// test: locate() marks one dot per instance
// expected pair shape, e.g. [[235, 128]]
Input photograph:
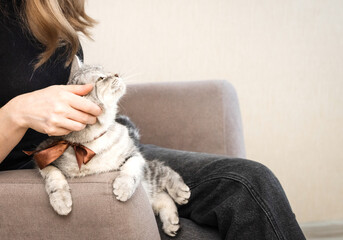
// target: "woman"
[[38, 40]]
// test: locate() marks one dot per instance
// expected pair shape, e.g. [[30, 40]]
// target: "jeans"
[[241, 198]]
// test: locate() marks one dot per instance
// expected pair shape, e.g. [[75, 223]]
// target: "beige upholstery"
[[96, 214], [201, 116], [197, 116]]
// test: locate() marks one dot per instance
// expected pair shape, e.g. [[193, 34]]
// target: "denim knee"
[[257, 174], [248, 170], [256, 177]]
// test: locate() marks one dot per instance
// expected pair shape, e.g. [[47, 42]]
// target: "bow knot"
[[49, 154]]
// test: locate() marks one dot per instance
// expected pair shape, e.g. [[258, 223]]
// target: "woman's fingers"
[[56, 110], [78, 89], [84, 105], [79, 116], [70, 125], [59, 125], [60, 132]]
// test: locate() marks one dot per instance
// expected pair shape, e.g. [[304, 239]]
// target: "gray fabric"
[[241, 198]]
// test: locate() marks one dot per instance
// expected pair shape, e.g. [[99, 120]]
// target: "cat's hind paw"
[[123, 187], [171, 225], [61, 201], [181, 193]]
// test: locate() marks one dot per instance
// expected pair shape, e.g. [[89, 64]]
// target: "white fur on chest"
[[111, 150]]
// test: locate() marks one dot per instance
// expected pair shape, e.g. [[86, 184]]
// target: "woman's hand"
[[56, 110]]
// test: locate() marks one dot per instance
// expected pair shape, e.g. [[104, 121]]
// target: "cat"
[[115, 141]]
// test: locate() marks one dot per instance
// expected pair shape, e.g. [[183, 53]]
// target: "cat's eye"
[[101, 78]]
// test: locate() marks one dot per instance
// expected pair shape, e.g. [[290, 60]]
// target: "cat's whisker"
[[121, 107], [132, 79], [126, 76], [124, 72]]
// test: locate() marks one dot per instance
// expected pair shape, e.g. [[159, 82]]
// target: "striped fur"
[[116, 150]]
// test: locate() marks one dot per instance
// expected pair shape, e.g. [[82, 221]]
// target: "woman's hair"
[[56, 23]]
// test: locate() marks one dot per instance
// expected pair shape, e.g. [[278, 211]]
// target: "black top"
[[18, 53]]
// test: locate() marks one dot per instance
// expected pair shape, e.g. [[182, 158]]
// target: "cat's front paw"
[[123, 187], [61, 201]]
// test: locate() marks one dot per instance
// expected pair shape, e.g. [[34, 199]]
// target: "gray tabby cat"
[[115, 143]]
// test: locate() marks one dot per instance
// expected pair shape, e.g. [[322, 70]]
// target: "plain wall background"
[[285, 59]]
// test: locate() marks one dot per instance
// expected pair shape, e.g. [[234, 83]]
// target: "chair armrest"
[[26, 212], [200, 116]]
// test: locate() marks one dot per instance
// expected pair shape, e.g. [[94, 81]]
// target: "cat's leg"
[[58, 190], [164, 206], [164, 178], [130, 176], [177, 189]]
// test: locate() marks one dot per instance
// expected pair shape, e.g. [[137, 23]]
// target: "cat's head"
[[108, 88]]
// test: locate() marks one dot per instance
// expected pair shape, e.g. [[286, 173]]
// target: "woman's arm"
[[56, 110], [10, 132]]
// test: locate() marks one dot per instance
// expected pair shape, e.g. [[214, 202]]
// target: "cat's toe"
[[123, 188], [171, 229], [183, 199], [182, 195], [121, 195], [170, 222], [61, 201]]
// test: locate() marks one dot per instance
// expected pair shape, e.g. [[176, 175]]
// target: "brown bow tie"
[[46, 156]]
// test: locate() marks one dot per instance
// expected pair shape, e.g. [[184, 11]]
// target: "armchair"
[[198, 116]]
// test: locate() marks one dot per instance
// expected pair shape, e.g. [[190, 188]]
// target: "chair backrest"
[[200, 116]]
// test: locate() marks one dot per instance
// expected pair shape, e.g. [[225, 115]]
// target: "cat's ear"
[[75, 66]]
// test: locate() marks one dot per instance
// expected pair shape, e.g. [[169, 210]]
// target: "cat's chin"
[[88, 134], [92, 131]]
